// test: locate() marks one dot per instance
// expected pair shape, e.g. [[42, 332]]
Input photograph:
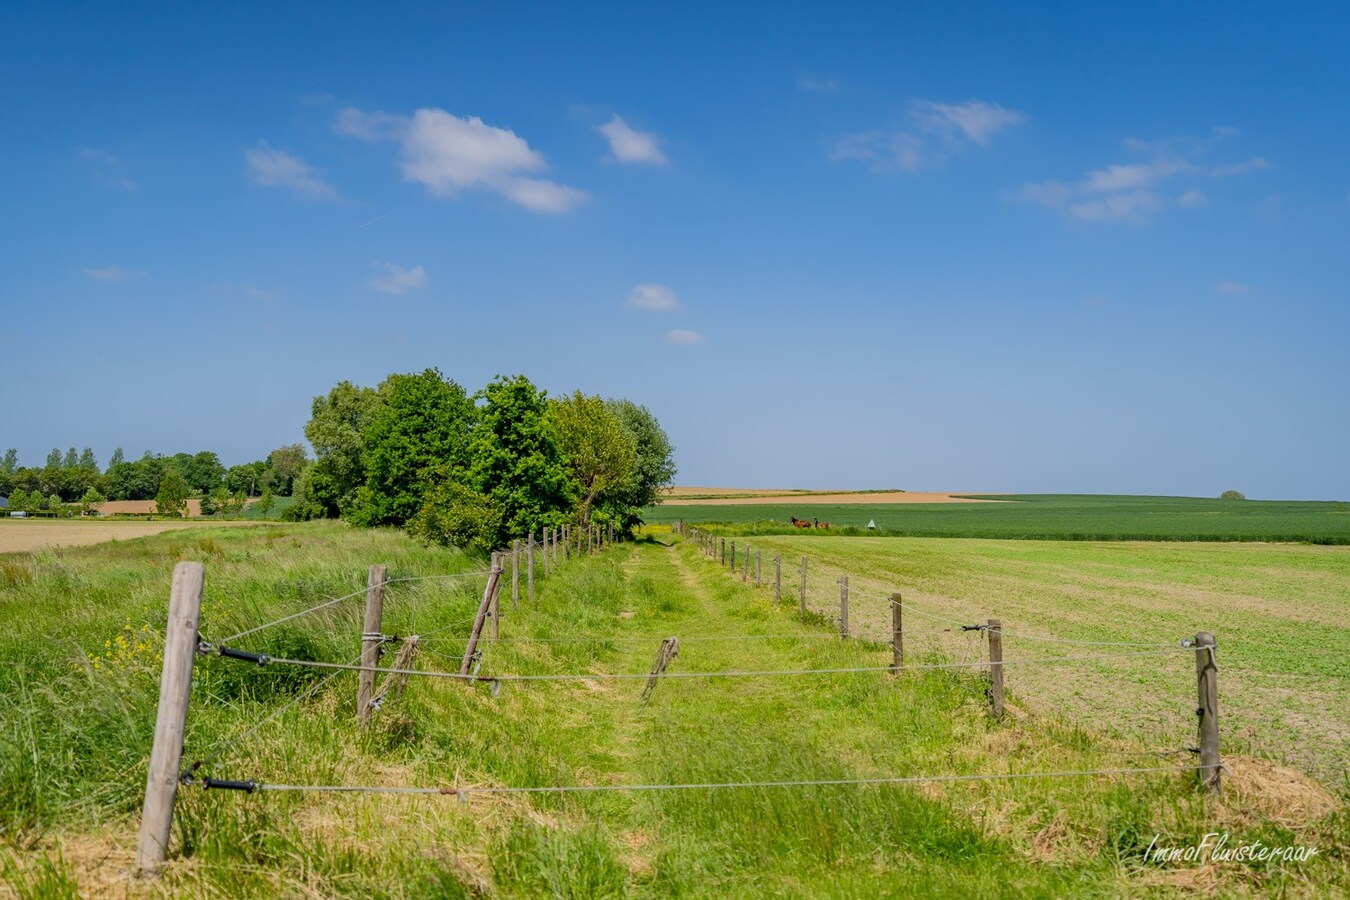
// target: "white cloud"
[[114, 273], [448, 154], [976, 120], [398, 280], [107, 169], [1230, 287], [935, 131], [1133, 191], [815, 84], [684, 336], [631, 146], [277, 168], [655, 297]]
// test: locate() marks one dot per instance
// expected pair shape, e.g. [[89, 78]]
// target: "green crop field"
[[1050, 517], [79, 665]]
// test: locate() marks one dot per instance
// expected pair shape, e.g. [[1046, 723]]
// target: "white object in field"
[[871, 524]]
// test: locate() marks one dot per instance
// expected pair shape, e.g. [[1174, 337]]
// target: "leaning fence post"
[[996, 668], [515, 573], [489, 593], [801, 592], [175, 688], [1207, 682], [897, 634], [843, 606], [777, 579], [370, 641]]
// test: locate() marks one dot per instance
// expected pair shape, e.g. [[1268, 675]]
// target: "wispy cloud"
[[628, 145], [448, 154], [817, 84], [1230, 287], [1133, 191], [684, 336], [934, 132], [655, 297], [114, 273], [398, 280], [108, 170], [258, 293], [276, 168]]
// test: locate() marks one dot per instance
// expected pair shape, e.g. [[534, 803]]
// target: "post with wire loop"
[[175, 688], [370, 641], [897, 634], [1207, 680], [996, 668], [843, 606]]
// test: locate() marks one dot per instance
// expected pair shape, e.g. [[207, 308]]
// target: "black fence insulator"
[[974, 627], [261, 659], [247, 787]]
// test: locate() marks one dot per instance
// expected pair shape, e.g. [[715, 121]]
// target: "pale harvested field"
[[25, 536], [142, 507], [732, 497]]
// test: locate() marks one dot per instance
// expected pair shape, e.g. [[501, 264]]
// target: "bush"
[[1232, 495], [457, 516]]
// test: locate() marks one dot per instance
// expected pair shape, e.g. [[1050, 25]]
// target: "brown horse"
[[799, 523], [820, 524]]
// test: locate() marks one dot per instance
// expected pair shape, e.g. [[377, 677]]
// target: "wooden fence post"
[[175, 689], [724, 551], [897, 634], [492, 609], [733, 557], [759, 561], [1207, 682], [996, 668], [590, 539], [515, 573], [745, 569], [801, 592], [843, 606], [547, 539], [778, 579], [484, 605], [529, 567], [370, 641]]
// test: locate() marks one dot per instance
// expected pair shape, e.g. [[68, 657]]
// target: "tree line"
[[420, 452]]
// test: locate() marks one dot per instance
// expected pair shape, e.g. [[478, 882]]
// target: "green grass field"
[[80, 667], [1050, 517]]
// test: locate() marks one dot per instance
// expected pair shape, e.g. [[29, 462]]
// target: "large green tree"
[[172, 497], [10, 464], [420, 434], [601, 453], [284, 465], [653, 468], [337, 432]]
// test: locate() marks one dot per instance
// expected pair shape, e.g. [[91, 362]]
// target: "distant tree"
[[266, 501], [600, 451], [171, 499], [71, 460], [337, 432], [118, 457], [419, 434], [18, 499], [202, 471], [245, 478], [54, 459], [88, 462], [10, 464], [654, 467], [284, 465], [1232, 495], [54, 504], [90, 500], [137, 480]]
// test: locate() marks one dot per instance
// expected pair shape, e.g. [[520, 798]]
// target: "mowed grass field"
[[1050, 517], [1281, 614], [78, 683]]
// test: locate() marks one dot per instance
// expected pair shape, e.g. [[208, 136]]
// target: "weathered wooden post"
[[897, 634], [801, 592], [745, 568], [515, 573], [590, 539], [777, 579], [996, 668], [759, 560], [489, 594], [843, 606], [370, 641], [733, 557], [493, 610], [175, 689], [1207, 682], [724, 551], [529, 567], [610, 527], [547, 539]]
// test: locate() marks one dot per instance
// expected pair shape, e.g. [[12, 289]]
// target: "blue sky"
[[932, 246]]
